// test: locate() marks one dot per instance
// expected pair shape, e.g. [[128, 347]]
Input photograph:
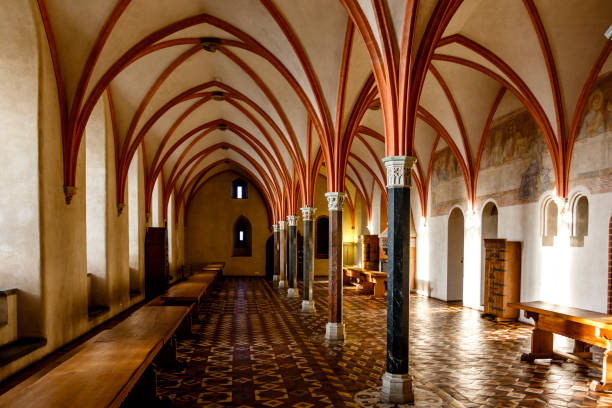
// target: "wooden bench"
[[584, 326], [377, 279], [107, 367]]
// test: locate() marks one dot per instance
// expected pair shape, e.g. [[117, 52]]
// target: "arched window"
[[242, 237], [549, 222], [240, 189], [580, 220], [322, 238]]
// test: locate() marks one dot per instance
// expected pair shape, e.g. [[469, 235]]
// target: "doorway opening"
[[454, 277]]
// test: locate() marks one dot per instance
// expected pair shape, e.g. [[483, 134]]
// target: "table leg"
[[379, 288], [541, 346], [606, 372]]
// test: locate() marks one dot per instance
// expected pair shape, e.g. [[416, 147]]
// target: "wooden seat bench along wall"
[[106, 368], [584, 326]]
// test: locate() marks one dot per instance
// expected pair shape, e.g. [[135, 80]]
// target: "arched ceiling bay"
[[281, 86]]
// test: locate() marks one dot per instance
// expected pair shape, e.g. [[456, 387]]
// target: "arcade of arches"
[[356, 166]]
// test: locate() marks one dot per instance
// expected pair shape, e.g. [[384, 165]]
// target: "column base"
[[396, 389], [275, 278], [282, 284], [308, 306], [293, 293], [334, 331]]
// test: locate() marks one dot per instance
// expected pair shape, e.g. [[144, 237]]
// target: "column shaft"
[[276, 255], [397, 382], [398, 279], [282, 248], [308, 301], [334, 330], [292, 256], [335, 267]]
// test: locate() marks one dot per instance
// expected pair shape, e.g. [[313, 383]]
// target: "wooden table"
[[106, 368], [377, 278], [584, 326]]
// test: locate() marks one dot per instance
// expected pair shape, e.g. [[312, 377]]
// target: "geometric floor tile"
[[255, 348]]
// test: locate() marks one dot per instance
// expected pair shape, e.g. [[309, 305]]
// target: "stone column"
[[282, 250], [308, 304], [292, 221], [276, 254], [396, 382], [334, 330]]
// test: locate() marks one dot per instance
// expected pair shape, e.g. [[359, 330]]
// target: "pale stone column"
[[335, 330], [282, 249], [308, 304], [293, 291], [396, 382], [276, 255]]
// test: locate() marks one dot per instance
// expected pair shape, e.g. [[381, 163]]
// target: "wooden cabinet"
[[156, 262], [502, 278], [369, 251]]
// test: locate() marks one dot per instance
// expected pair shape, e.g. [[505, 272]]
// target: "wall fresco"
[[592, 155]]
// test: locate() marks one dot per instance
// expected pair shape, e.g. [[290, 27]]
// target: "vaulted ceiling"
[[280, 87]]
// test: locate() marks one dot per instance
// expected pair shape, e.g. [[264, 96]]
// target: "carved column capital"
[[275, 227], [398, 170], [281, 225], [69, 192], [292, 220], [335, 200], [308, 213]]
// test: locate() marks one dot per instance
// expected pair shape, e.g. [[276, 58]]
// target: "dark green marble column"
[[397, 382], [292, 221], [308, 305], [282, 250]]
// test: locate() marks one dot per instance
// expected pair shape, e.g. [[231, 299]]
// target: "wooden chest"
[[502, 278]]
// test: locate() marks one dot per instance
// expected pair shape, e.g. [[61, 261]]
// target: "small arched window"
[[551, 212], [322, 238], [580, 220], [242, 237], [240, 189]]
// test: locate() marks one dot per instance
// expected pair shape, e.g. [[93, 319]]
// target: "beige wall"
[[51, 272], [209, 227]]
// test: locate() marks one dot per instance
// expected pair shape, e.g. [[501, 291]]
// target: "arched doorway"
[[489, 230], [454, 276], [270, 258]]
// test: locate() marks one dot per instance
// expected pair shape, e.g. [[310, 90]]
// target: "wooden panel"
[[502, 277], [156, 262]]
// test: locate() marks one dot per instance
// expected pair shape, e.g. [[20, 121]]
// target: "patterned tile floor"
[[256, 349]]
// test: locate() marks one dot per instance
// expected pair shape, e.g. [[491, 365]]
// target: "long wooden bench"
[[584, 326], [108, 366]]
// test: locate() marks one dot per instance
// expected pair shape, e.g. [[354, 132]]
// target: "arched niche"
[[242, 237], [580, 219], [549, 221]]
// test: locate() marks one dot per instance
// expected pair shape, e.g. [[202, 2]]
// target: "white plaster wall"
[[561, 274]]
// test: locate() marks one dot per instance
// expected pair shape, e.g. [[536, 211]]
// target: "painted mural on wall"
[[592, 155], [515, 167], [448, 187]]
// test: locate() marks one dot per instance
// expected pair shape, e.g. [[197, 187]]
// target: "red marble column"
[[282, 249], [335, 330]]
